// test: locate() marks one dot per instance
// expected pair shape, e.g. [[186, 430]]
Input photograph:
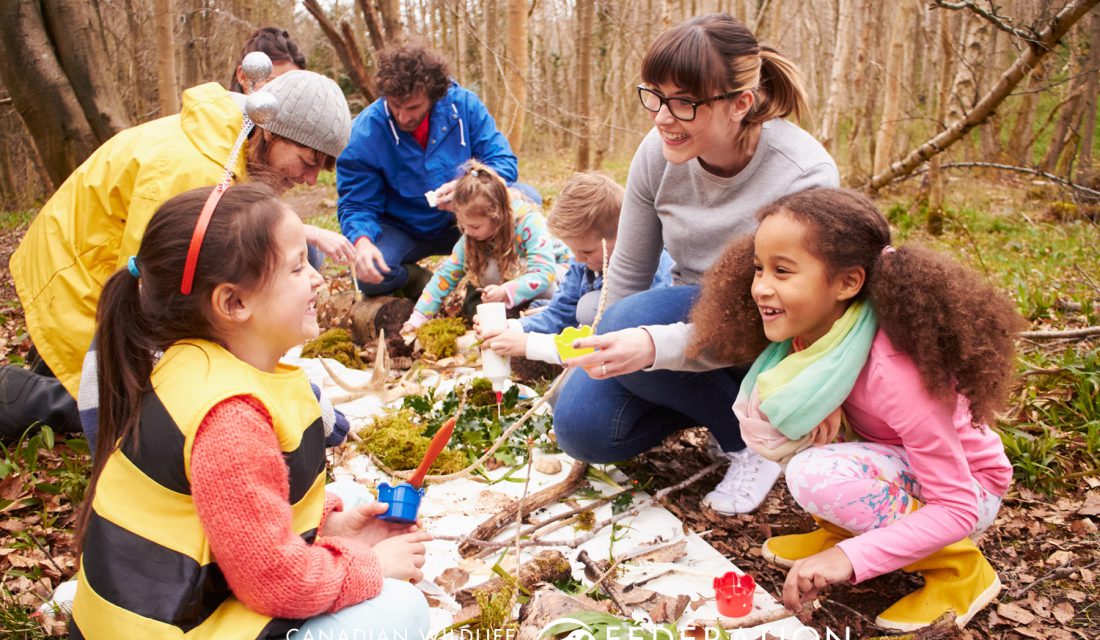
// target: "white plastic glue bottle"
[[495, 367]]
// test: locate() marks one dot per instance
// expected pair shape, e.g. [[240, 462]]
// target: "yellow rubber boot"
[[956, 578], [785, 550]]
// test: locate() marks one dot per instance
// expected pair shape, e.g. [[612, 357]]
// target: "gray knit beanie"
[[312, 111]]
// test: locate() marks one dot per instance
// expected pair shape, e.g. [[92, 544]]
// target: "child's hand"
[[494, 293], [506, 343], [415, 321], [812, 574], [331, 243], [402, 556], [361, 523]]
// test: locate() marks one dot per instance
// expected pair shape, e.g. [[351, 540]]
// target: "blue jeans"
[[618, 418], [399, 248], [398, 612]]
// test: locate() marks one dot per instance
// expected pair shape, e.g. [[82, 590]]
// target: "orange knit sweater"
[[241, 491]]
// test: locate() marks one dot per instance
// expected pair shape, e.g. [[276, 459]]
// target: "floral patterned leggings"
[[861, 486]]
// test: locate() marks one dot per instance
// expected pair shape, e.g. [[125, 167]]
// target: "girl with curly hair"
[[505, 250], [907, 350]]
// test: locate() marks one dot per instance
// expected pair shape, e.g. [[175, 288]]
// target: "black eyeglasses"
[[682, 109]]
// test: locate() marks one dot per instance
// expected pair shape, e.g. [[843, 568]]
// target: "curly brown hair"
[[956, 327], [481, 192], [412, 68]]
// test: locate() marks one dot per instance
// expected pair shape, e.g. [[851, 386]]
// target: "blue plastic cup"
[[403, 501]]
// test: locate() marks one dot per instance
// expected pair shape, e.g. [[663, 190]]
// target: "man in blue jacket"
[[396, 176]]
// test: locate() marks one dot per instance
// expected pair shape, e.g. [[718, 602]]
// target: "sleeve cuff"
[[669, 341], [541, 347]]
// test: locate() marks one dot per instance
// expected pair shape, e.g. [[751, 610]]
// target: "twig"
[[992, 17], [355, 283], [592, 566], [1004, 167], [49, 557], [573, 512], [1059, 571], [764, 617], [1087, 277], [599, 526], [1067, 333]]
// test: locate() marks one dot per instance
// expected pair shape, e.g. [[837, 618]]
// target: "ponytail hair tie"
[[132, 267], [888, 250]]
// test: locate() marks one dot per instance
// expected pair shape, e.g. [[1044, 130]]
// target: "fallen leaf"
[[1087, 576], [1015, 613], [1091, 507], [1084, 525], [1076, 596], [1039, 604], [452, 579], [1059, 558], [1063, 612]]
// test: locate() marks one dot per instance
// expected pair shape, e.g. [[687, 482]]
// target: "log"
[[507, 515], [548, 566]]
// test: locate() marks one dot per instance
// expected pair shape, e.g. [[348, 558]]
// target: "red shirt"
[[421, 133]]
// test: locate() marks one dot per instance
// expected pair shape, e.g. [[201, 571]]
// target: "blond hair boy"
[[586, 218]]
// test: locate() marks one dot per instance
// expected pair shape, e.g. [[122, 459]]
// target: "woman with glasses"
[[720, 150]]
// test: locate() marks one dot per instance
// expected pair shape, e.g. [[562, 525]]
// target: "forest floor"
[[1045, 543]]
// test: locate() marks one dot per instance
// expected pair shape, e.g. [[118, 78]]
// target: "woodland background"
[[972, 122]]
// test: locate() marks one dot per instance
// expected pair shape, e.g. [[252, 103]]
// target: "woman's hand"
[[494, 293], [369, 263], [509, 342], [810, 575], [402, 556], [361, 523], [617, 353], [332, 244]]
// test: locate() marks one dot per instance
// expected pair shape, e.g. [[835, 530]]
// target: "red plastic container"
[[733, 593]]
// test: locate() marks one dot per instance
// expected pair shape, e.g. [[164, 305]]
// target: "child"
[[504, 249], [585, 217], [913, 352], [207, 511]]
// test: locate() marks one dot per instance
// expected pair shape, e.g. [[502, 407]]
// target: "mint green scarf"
[[797, 391]]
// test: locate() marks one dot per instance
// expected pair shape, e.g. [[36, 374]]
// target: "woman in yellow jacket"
[[95, 220]]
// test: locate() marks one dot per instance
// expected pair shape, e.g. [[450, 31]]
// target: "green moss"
[[481, 393], [335, 344], [399, 443], [437, 337], [496, 611]]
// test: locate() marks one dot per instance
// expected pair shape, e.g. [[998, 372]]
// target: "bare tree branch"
[[1001, 22], [1006, 167], [1058, 26]]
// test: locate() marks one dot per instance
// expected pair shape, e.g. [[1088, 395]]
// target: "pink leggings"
[[861, 486]]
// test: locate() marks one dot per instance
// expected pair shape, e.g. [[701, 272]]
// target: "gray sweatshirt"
[[695, 214]]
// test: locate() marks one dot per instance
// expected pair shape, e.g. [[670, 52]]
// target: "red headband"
[[197, 237]]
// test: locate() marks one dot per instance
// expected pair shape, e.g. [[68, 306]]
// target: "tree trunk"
[[1033, 52], [966, 88], [1066, 129], [585, 10], [41, 91], [864, 90], [83, 57], [167, 91], [346, 49], [891, 101], [490, 49], [391, 21], [1092, 87], [515, 83], [834, 101], [935, 174]]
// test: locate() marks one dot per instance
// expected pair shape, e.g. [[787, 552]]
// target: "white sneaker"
[[748, 480]]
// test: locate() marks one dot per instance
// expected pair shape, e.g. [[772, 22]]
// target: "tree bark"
[[1033, 52], [891, 101], [935, 174], [860, 141], [391, 21], [1092, 87], [83, 57], [41, 91], [585, 10], [1066, 129], [965, 89], [834, 100], [515, 83], [167, 91], [490, 50], [349, 54]]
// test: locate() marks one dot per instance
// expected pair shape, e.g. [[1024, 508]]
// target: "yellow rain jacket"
[[95, 221]]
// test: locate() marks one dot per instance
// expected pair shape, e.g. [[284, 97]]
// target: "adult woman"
[[719, 150], [277, 44], [95, 220]]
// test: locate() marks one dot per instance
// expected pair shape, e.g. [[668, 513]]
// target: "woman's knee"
[[654, 306], [580, 435]]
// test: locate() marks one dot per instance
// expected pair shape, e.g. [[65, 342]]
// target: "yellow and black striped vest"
[[147, 570]]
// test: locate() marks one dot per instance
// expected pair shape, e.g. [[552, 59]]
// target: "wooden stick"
[[1068, 333], [506, 516], [762, 617], [596, 570]]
